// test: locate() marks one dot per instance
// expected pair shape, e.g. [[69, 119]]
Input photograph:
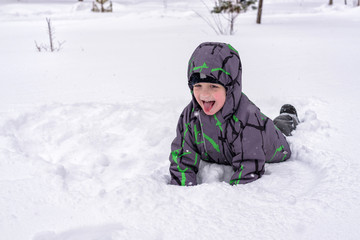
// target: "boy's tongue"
[[208, 105]]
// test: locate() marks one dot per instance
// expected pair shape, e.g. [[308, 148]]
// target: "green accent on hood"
[[191, 60], [218, 123], [263, 116], [237, 181], [231, 48], [213, 143], [220, 69], [200, 67]]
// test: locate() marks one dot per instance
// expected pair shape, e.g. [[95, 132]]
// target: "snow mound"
[[100, 145], [89, 147], [115, 157]]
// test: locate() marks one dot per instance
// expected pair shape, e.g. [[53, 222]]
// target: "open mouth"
[[208, 105]]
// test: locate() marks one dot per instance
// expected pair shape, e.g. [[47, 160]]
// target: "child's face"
[[210, 96]]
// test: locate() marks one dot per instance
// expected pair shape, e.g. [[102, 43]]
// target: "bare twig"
[[214, 23], [208, 22], [60, 44], [37, 46], [51, 33]]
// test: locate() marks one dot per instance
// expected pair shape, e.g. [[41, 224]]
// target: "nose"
[[205, 93]]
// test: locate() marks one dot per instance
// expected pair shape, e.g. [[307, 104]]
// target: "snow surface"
[[85, 132]]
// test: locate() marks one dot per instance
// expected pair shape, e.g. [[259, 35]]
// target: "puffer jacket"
[[238, 135]]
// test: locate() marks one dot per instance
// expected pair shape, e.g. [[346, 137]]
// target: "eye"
[[197, 86], [214, 86]]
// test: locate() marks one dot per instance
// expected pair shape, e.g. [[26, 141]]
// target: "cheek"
[[220, 97], [196, 95]]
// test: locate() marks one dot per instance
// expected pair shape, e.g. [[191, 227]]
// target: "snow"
[[85, 132]]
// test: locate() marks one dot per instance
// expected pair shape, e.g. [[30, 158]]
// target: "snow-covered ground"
[[85, 132]]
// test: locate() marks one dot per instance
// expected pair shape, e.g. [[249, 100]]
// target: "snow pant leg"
[[285, 123]]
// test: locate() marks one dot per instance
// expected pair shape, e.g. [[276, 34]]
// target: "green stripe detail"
[[231, 48], [263, 116], [176, 155], [183, 176], [277, 150], [213, 143], [237, 181], [220, 69], [200, 67], [191, 60], [206, 66], [186, 130], [218, 123], [235, 118], [196, 132]]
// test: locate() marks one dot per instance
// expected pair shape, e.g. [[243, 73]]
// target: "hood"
[[222, 62]]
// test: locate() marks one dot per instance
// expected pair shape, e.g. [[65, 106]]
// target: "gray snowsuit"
[[238, 135]]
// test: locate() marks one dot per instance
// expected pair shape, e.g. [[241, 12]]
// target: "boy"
[[221, 125]]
